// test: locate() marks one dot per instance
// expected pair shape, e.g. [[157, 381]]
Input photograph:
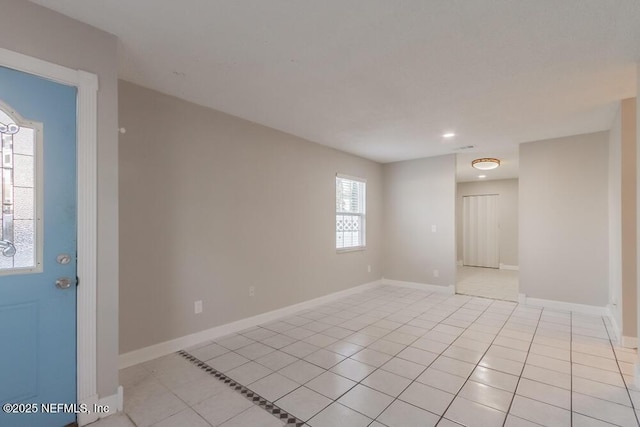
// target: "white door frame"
[[87, 121]]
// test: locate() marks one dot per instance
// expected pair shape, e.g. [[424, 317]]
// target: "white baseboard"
[[167, 347], [614, 323], [629, 342], [618, 338], [108, 405], [84, 418], [502, 266], [622, 340], [561, 305], [115, 403], [449, 290]]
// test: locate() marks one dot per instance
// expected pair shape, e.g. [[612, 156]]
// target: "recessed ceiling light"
[[448, 135], [485, 164], [482, 176]]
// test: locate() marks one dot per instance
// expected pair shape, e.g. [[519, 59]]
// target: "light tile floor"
[[488, 283], [394, 356]]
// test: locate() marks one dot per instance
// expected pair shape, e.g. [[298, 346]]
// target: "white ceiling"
[[384, 79]]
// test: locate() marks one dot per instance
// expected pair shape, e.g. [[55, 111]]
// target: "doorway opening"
[[487, 236]]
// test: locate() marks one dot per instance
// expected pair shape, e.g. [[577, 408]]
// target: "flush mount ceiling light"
[[485, 164], [448, 135]]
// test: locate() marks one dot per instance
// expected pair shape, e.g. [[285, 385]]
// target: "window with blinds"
[[350, 212]]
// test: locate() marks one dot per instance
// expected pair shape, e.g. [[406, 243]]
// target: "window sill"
[[352, 249]]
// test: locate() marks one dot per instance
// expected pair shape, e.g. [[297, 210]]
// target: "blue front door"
[[37, 251]]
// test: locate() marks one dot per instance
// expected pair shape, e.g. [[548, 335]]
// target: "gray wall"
[[419, 194], [507, 189], [564, 219], [211, 204], [39, 32]]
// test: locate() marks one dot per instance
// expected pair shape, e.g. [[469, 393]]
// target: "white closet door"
[[480, 231]]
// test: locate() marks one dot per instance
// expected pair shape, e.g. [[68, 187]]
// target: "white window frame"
[[363, 215]]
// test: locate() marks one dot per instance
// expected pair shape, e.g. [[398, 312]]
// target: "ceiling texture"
[[385, 79]]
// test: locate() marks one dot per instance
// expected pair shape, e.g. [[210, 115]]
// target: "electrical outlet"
[[368, 269], [197, 307], [434, 228], [252, 291], [436, 273]]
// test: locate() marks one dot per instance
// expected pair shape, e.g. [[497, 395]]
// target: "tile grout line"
[[380, 367], [493, 301], [524, 364], [302, 340], [396, 398], [480, 360], [249, 394], [349, 357], [624, 381], [570, 375], [169, 390], [393, 356], [486, 297], [442, 352], [588, 366], [364, 347], [373, 305], [373, 309], [599, 382]]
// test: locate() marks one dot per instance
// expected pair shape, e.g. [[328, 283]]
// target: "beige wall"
[[507, 190], [615, 218], [622, 218], [629, 235], [419, 194], [564, 219], [39, 32], [211, 204], [638, 199]]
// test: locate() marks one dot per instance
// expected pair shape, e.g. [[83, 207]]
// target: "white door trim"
[[87, 122]]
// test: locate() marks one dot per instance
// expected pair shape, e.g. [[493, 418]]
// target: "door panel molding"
[[87, 87]]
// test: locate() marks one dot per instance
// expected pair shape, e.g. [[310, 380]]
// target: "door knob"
[[64, 283]]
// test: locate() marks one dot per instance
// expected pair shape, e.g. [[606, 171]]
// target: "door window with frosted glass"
[[20, 148]]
